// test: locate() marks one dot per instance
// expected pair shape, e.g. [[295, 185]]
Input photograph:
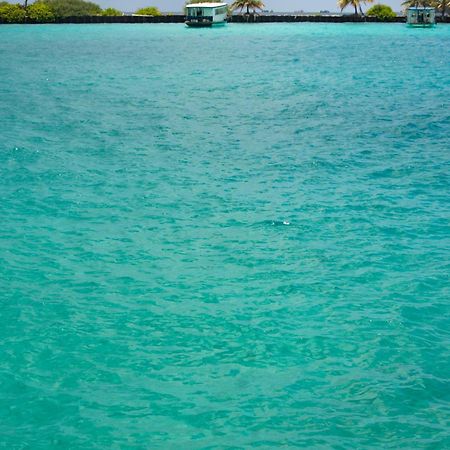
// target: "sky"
[[276, 5]]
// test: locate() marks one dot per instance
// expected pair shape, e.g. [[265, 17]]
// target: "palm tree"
[[355, 3], [416, 3], [25, 7], [442, 5], [248, 4]]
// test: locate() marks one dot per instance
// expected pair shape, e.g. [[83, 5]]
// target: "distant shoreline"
[[266, 18]]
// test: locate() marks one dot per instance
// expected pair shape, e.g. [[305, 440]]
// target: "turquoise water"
[[228, 238]]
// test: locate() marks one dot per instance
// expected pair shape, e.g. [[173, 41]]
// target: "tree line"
[[440, 5], [383, 12], [51, 10]]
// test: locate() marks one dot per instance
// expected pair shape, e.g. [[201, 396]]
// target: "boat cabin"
[[206, 14], [421, 16]]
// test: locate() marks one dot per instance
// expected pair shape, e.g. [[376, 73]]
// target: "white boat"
[[206, 14]]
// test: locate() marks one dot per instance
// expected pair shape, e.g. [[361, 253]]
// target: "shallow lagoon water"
[[228, 238]]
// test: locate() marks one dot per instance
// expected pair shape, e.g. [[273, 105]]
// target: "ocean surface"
[[224, 239]]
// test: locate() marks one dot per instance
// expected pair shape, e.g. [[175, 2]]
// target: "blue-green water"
[[231, 238]]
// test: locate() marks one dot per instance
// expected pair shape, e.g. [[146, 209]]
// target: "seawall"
[[233, 19]]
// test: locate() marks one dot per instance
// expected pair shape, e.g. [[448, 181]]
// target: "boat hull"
[[421, 25], [203, 24]]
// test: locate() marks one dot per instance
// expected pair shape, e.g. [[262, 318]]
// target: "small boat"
[[421, 16], [206, 14]]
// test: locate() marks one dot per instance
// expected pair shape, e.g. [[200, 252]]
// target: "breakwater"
[[252, 18]]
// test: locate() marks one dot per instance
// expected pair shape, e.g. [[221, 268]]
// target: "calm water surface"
[[229, 238]]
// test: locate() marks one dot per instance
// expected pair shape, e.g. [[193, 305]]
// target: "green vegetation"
[[12, 13], [247, 4], [382, 12], [40, 12], [111, 12], [149, 11], [46, 10], [356, 4], [72, 8]]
